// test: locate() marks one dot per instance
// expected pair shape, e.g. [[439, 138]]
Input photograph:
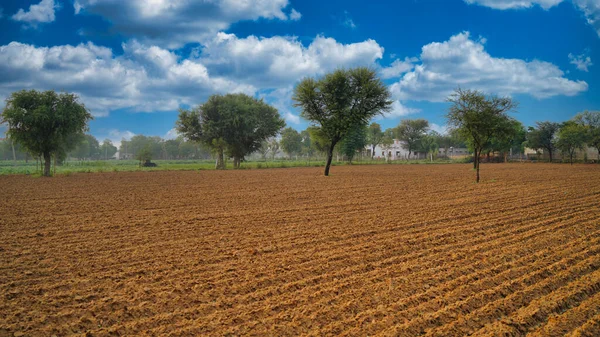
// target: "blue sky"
[[135, 63]]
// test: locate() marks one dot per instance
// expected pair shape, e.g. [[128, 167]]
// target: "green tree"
[[233, 123], [429, 144], [291, 142], [387, 141], [171, 148], [374, 137], [318, 140], [591, 120], [478, 118], [307, 147], [263, 150], [410, 132], [43, 122], [107, 149], [571, 137], [355, 140], [274, 146], [341, 101], [144, 155], [87, 148], [510, 136], [543, 137]]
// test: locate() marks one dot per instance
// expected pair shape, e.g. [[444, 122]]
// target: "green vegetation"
[[45, 124]]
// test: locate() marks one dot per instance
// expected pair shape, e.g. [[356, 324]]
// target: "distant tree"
[[340, 101], [87, 148], [274, 146], [43, 122], [144, 155], [355, 140], [387, 141], [543, 137], [232, 123], [107, 149], [263, 150], [374, 137], [410, 132], [571, 137], [591, 120], [171, 148], [429, 144], [509, 136], [478, 118], [291, 142], [307, 147]]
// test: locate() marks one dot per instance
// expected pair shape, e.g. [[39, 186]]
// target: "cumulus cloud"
[[171, 134], [399, 110], [463, 62], [175, 23], [150, 78], [441, 129], [38, 13], [399, 67], [591, 9], [143, 78], [295, 15], [281, 99], [582, 62], [279, 61], [515, 4]]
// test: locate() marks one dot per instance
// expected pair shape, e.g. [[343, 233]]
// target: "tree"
[[43, 122], [307, 147], [291, 142], [355, 140], [144, 155], [87, 148], [429, 145], [478, 118], [107, 149], [274, 146], [171, 148], [232, 123], [509, 136], [341, 101], [263, 150], [374, 137], [387, 141], [591, 120], [410, 132], [318, 140], [543, 137], [571, 137]]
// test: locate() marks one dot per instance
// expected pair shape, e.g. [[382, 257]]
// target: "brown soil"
[[400, 250]]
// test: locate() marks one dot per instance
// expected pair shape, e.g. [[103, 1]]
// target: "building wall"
[[397, 152]]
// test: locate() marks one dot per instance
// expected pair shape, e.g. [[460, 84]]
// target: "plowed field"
[[400, 250]]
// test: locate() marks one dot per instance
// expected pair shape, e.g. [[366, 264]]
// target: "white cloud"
[[142, 79], [280, 61], [295, 15], [582, 62], [515, 4], [441, 129], [281, 99], [463, 62], [399, 67], [591, 9], [38, 13], [175, 23], [171, 134], [399, 110], [115, 136], [348, 22]]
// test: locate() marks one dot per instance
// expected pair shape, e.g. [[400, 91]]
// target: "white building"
[[396, 151]]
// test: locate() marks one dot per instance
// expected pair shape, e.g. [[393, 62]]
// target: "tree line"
[[339, 106]]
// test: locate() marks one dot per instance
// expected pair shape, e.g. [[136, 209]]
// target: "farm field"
[[394, 250]]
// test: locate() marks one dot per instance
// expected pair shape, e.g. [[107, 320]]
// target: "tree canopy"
[[291, 142], [340, 101], [543, 136], [235, 124], [45, 123], [479, 118], [591, 121], [410, 132], [571, 137]]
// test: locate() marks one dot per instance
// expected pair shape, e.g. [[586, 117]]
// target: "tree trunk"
[[550, 154], [477, 162], [329, 158], [47, 162], [220, 165], [373, 152], [14, 153]]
